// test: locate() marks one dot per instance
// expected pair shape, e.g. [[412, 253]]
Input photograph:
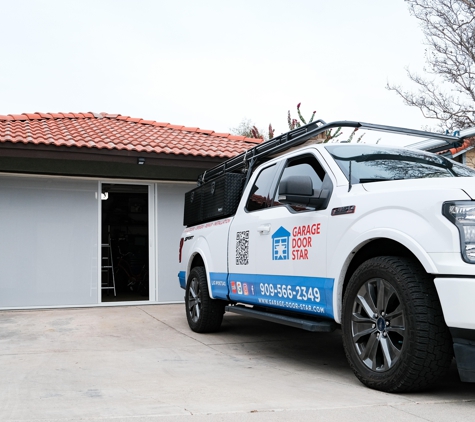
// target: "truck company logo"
[[295, 245], [280, 244]]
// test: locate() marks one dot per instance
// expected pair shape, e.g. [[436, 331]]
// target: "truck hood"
[[466, 184]]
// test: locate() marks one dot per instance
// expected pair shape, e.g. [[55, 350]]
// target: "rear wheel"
[[204, 314], [394, 333]]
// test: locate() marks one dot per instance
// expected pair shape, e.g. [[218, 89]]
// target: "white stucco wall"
[[169, 226]]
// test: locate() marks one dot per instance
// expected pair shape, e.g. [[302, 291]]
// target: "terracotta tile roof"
[[116, 132], [468, 143]]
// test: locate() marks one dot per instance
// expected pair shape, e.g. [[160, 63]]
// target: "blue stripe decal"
[[309, 295], [219, 285], [182, 279]]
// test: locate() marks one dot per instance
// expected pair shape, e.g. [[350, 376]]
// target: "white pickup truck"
[[319, 231]]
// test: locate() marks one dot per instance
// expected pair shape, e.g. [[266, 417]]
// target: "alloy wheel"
[[378, 325], [194, 300]]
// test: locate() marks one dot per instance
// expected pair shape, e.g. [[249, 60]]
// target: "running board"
[[305, 324]]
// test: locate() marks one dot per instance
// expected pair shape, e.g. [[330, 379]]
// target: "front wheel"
[[204, 314], [394, 333]]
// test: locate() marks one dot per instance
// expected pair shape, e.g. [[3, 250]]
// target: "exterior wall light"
[[140, 160]]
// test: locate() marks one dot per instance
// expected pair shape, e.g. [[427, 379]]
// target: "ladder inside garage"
[[108, 276]]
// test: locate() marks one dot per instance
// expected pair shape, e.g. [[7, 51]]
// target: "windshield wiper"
[[376, 179]]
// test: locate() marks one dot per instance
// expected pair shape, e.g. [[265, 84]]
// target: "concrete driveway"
[[142, 363]]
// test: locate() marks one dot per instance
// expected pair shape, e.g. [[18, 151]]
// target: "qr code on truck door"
[[242, 248]]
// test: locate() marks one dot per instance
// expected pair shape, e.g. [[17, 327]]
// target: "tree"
[[447, 92], [323, 137], [248, 129], [294, 123]]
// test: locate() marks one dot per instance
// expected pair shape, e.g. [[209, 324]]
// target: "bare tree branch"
[[447, 92]]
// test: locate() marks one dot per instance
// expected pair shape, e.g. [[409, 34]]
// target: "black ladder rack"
[[245, 161]]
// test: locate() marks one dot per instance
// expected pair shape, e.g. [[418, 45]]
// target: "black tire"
[[204, 314], [394, 332]]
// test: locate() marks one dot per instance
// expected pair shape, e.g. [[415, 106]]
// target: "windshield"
[[373, 163]]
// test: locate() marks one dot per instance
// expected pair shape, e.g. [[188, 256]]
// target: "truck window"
[[259, 197], [306, 165], [374, 163]]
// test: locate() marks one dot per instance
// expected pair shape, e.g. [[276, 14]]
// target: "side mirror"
[[298, 190]]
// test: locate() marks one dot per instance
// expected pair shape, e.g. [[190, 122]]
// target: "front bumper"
[[456, 295], [457, 299], [464, 350]]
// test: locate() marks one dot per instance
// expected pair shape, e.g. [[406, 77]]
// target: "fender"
[[201, 248], [343, 260], [402, 224]]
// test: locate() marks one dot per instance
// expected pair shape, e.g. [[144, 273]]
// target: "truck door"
[[277, 252]]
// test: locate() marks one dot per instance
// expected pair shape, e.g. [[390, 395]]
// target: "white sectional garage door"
[[48, 242]]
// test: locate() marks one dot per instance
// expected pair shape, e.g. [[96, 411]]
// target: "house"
[[91, 206], [464, 153]]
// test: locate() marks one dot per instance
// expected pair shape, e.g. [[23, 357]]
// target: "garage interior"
[[125, 251]]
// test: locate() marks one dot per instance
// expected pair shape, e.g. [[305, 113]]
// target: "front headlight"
[[462, 214]]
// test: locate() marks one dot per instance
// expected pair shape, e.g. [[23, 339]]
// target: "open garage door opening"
[[125, 242]]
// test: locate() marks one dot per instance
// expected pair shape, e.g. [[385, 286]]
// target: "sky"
[[211, 63]]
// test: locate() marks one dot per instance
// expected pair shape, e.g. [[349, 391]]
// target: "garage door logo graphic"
[[281, 244]]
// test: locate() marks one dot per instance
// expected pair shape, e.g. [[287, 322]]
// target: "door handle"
[[264, 229]]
